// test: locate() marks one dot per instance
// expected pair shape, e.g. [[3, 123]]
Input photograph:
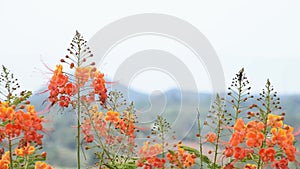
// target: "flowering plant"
[[20, 127], [239, 132]]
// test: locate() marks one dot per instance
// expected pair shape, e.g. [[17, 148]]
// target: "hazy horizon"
[[261, 36]]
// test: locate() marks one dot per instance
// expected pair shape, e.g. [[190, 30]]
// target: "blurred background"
[[261, 36]]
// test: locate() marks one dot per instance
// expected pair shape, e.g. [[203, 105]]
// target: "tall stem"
[[10, 153], [9, 103], [78, 129], [200, 140], [162, 129], [78, 108], [220, 114], [237, 109], [265, 118], [217, 142]]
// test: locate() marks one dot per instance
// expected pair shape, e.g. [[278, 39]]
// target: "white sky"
[[262, 36]]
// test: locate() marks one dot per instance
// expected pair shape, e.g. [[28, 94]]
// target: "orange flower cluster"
[[284, 138], [253, 135], [99, 86], [42, 165], [281, 164], [267, 155], [17, 122], [112, 116], [98, 123], [282, 135], [61, 89], [252, 132], [60, 86], [86, 130], [211, 137], [5, 160], [181, 158], [240, 153], [25, 150], [148, 156], [83, 74], [126, 124], [275, 121]]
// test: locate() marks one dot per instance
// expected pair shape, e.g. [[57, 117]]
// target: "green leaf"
[[191, 150]]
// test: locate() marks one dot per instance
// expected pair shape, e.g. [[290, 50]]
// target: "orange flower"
[[19, 152], [239, 133], [42, 165], [15, 123], [25, 150], [112, 116], [211, 137], [289, 133], [58, 69], [228, 152], [290, 151], [239, 125], [181, 158], [250, 166], [281, 164], [6, 112], [180, 150], [240, 153], [153, 150], [284, 138], [255, 126], [5, 161], [274, 121], [60, 85], [83, 74], [237, 138], [254, 139], [267, 154], [148, 156], [70, 89], [64, 101], [279, 136], [126, 126], [98, 84]]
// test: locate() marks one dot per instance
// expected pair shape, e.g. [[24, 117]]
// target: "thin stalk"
[[10, 153], [78, 129], [220, 116], [238, 100], [78, 110], [162, 128], [217, 142], [9, 103], [268, 110], [200, 140], [27, 162]]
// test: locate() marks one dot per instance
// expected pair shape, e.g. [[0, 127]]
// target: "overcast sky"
[[262, 36]]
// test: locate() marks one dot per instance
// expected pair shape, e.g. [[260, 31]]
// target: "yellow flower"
[[25, 150], [112, 116], [274, 121], [19, 152], [4, 162], [250, 166]]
